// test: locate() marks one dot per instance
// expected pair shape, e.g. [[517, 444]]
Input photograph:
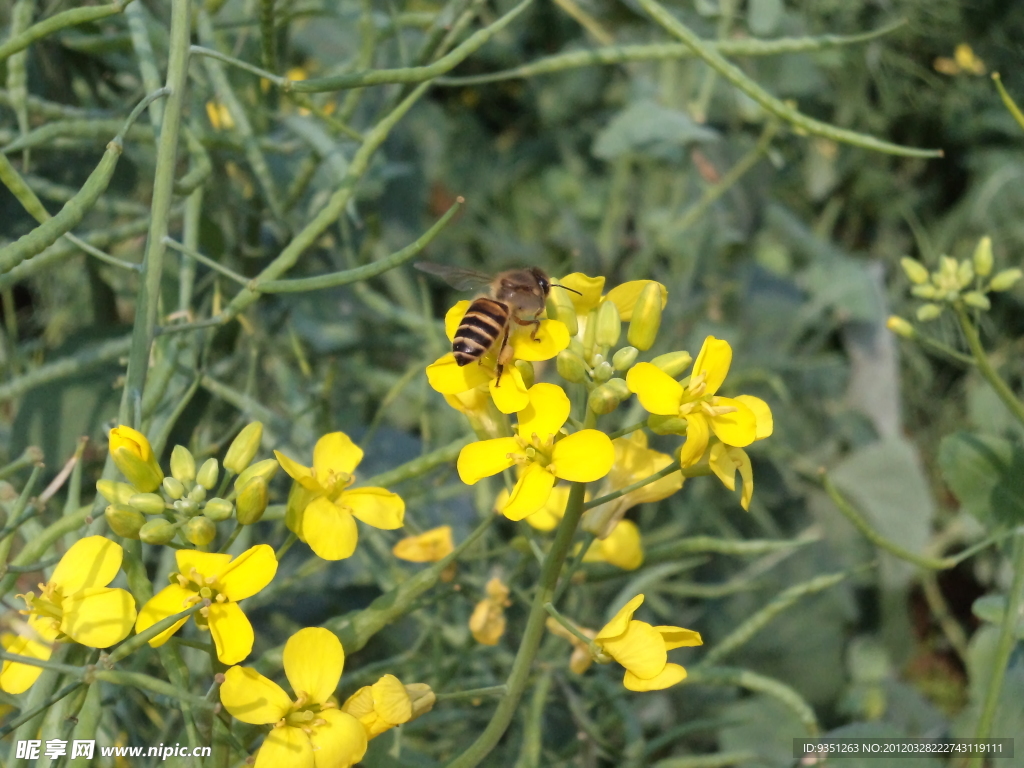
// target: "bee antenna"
[[567, 288]]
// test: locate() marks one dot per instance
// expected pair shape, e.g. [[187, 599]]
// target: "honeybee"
[[514, 296]]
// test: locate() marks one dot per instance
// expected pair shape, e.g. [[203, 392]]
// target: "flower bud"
[[525, 368], [982, 257], [666, 425], [570, 366], [1004, 281], [200, 531], [115, 492], [624, 359], [173, 487], [916, 271], [124, 520], [978, 300], [589, 336], [218, 509], [252, 501], [928, 312], [133, 455], [673, 363], [609, 325], [603, 371], [265, 469], [183, 466], [965, 273], [243, 448], [157, 531], [900, 327], [646, 321], [198, 493], [606, 398], [925, 291], [948, 269], [187, 507], [148, 503], [560, 308], [421, 696], [207, 475]]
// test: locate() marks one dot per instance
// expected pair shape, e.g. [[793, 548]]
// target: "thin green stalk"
[[628, 430], [190, 234], [292, 538], [570, 627], [699, 470], [211, 263], [472, 693], [1004, 647], [752, 681], [420, 465], [44, 705], [57, 22], [136, 14], [87, 359], [1001, 388], [36, 547], [1008, 102], [154, 685], [17, 515], [31, 455], [532, 635], [588, 540], [268, 39], [17, 70]]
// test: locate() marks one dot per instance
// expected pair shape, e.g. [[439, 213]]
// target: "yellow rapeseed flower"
[[622, 296], [429, 547], [311, 731], [622, 548], [133, 455], [74, 605], [387, 703], [322, 509], [219, 116], [223, 581], [583, 456], [488, 620], [643, 649]]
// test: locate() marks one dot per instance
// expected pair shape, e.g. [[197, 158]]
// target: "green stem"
[[292, 538], [31, 455], [73, 365], [57, 22], [133, 643], [699, 470], [588, 540], [574, 630], [44, 705], [491, 690], [211, 263], [1008, 102], [36, 547], [1001, 388], [752, 681]]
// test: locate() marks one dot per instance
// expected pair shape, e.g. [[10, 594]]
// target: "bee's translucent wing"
[[458, 278]]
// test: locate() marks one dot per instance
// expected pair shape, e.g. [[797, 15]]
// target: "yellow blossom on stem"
[[323, 509], [488, 620], [429, 547], [387, 703], [580, 660], [510, 392], [623, 296], [74, 605], [622, 548], [133, 455], [223, 581], [582, 457], [309, 731], [643, 649]]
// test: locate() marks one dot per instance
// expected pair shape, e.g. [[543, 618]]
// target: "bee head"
[[543, 282]]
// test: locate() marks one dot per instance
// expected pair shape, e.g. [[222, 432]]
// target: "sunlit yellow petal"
[[640, 649], [509, 392], [336, 452], [657, 392], [552, 337], [285, 746], [330, 530], [375, 506], [248, 573], [669, 676], [583, 456], [697, 436], [677, 637], [232, 633], [722, 465], [126, 437], [547, 412], [299, 473], [763, 414], [90, 562], [742, 461], [453, 317], [340, 743], [624, 296], [428, 547], [313, 660], [360, 703], [446, 376], [547, 517], [530, 493], [252, 698], [623, 548], [617, 626], [391, 701], [168, 601], [18, 678], [486, 457], [589, 291], [207, 563], [98, 616], [738, 427], [713, 361]]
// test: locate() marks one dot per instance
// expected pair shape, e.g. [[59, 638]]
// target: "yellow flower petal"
[[763, 414], [313, 661], [207, 563], [18, 678], [548, 410], [90, 562], [530, 493], [336, 452], [547, 517], [248, 573], [589, 289], [713, 361], [429, 547], [298, 473], [375, 506], [252, 698], [624, 296], [339, 743], [485, 458], [742, 461], [640, 649], [453, 318], [669, 676], [391, 701], [583, 456], [623, 548], [98, 616], [617, 626], [634, 461], [657, 392], [286, 746], [330, 530], [509, 393], [677, 637], [446, 376], [232, 633], [738, 428], [360, 703], [126, 437], [552, 338], [722, 465], [697, 436], [168, 601]]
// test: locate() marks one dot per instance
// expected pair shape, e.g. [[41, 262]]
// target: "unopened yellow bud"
[[525, 368], [132, 454], [623, 359], [218, 509], [982, 257], [603, 371], [252, 501], [606, 398], [207, 474], [124, 520], [900, 327], [925, 291], [609, 325], [1005, 280], [915, 270], [243, 448], [200, 531], [173, 487], [157, 531], [571, 366], [646, 321], [589, 335], [978, 300], [422, 698], [673, 363], [183, 465], [928, 312], [148, 503], [265, 469], [115, 492], [965, 273], [560, 308], [198, 493], [666, 425]]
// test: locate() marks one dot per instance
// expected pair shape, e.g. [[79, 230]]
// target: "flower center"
[[305, 714], [47, 605], [334, 483], [534, 451], [202, 588]]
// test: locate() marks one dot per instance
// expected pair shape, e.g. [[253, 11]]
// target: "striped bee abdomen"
[[483, 323]]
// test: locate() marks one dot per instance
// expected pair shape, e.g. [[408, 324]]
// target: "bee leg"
[[535, 323], [504, 355]]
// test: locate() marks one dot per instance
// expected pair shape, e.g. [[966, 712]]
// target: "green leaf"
[[647, 127], [986, 474], [992, 608], [763, 16]]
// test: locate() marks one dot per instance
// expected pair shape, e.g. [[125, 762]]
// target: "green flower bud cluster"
[[179, 504]]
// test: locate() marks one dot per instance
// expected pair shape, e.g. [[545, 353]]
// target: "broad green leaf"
[[992, 608], [986, 474], [647, 127]]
